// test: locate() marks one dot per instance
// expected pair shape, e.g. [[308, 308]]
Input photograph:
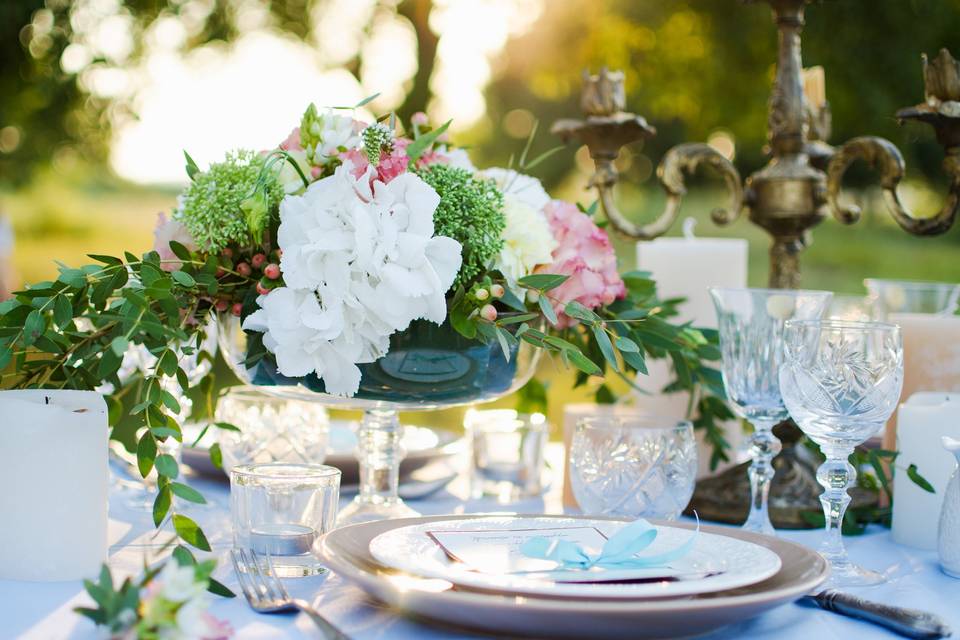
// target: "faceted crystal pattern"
[[272, 430], [841, 381], [633, 472], [751, 325]]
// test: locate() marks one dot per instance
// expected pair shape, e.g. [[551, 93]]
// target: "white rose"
[[527, 241], [524, 188]]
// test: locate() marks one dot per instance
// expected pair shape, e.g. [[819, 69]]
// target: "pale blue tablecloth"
[[44, 611]]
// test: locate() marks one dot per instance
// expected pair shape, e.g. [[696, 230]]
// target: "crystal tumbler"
[[281, 510], [633, 465]]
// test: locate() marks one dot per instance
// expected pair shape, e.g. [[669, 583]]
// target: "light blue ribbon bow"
[[619, 551]]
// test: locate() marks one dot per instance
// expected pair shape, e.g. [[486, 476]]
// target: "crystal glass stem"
[[379, 453], [836, 475], [763, 447]]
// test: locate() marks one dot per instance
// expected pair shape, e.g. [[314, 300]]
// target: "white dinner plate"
[[715, 562], [346, 551]]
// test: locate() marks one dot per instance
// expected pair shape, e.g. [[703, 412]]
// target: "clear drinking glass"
[[271, 429], [281, 510], [904, 296], [751, 336], [507, 453], [841, 381], [633, 465], [850, 307]]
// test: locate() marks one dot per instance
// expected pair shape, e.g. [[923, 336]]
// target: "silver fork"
[[266, 593]]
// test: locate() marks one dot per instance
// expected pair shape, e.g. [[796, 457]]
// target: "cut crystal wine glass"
[[751, 340], [841, 381]]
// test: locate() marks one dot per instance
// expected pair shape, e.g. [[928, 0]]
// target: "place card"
[[497, 551]]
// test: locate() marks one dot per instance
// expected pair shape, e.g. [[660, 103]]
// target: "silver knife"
[[911, 623]]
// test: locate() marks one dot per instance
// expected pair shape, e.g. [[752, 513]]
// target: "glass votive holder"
[[507, 451], [633, 465], [271, 429], [281, 510]]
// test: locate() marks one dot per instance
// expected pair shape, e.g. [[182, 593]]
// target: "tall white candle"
[[54, 474], [923, 420], [688, 267], [931, 358]]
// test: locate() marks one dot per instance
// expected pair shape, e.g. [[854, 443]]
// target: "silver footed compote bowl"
[[841, 381], [751, 339], [427, 367]]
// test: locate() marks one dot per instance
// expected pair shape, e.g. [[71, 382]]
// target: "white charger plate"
[[719, 562]]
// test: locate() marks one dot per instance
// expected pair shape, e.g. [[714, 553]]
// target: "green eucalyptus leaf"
[[167, 465], [5, 355], [169, 401], [119, 345], [543, 281], [510, 299], [183, 556], [62, 312], [161, 505], [919, 480], [190, 531], [635, 360], [606, 347], [626, 344], [146, 453], [34, 327], [183, 278], [218, 588], [547, 309], [216, 456], [180, 251], [583, 363], [576, 310], [226, 426], [187, 493]]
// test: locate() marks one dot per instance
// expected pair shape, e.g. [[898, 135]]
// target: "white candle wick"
[[689, 225]]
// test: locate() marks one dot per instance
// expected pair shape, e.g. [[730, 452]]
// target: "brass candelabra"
[[795, 191]]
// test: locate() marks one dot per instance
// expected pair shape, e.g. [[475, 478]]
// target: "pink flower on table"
[[165, 231], [584, 253]]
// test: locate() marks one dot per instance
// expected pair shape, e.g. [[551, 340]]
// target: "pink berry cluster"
[[261, 266], [483, 295]]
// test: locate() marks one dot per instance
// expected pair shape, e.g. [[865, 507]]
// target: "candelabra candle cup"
[[282, 510], [751, 323], [633, 465], [841, 381], [904, 296], [507, 453]]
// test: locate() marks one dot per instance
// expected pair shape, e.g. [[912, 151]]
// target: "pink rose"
[[584, 253], [165, 231], [390, 166], [292, 142]]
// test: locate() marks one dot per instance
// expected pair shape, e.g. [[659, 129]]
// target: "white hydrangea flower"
[[527, 240], [360, 262], [524, 188]]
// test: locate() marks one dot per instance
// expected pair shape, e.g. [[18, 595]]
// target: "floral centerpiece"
[[339, 262]]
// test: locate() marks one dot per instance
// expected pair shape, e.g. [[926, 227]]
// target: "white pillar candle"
[[688, 267], [55, 478], [922, 422], [931, 358]]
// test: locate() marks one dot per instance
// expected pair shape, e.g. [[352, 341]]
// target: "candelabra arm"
[[681, 160], [882, 155]]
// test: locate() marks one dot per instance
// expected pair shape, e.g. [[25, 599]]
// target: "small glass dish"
[[281, 510], [271, 429], [633, 465], [507, 453]]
